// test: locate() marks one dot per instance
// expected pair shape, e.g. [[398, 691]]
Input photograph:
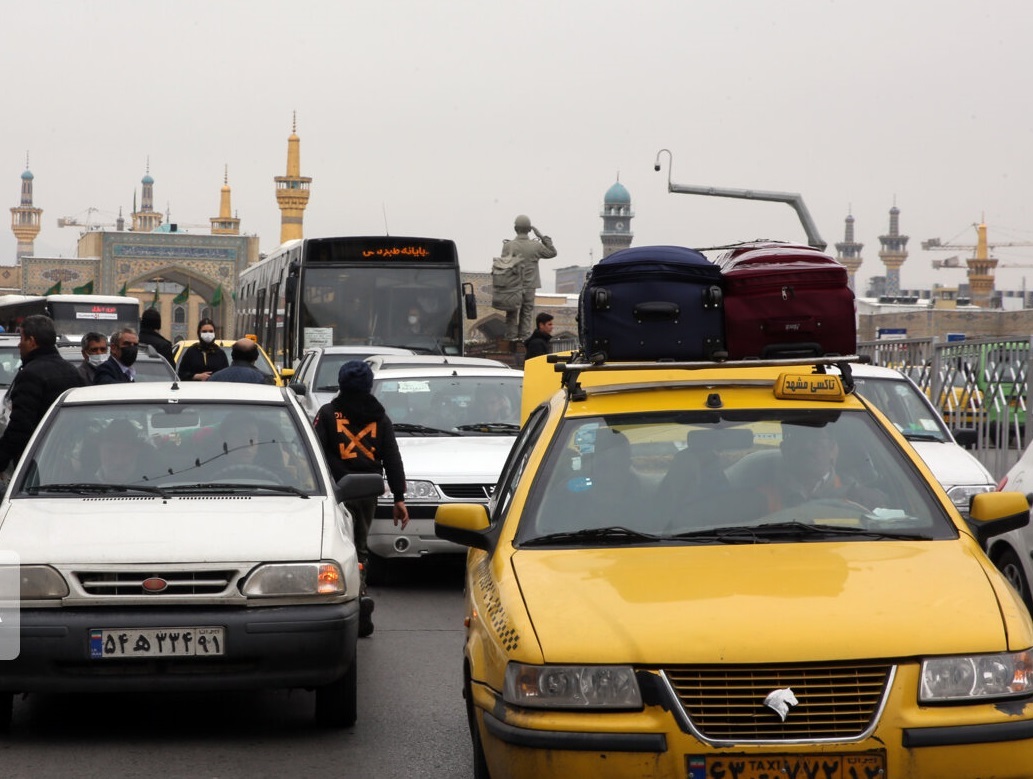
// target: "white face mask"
[[97, 359], [207, 337], [413, 320]]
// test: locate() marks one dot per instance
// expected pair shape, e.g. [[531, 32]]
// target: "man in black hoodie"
[[150, 324], [357, 436], [43, 376]]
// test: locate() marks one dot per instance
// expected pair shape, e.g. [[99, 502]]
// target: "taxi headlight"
[[962, 495], [41, 582], [277, 580], [967, 678], [571, 686], [414, 490]]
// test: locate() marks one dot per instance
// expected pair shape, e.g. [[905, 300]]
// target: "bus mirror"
[[290, 287], [469, 300]]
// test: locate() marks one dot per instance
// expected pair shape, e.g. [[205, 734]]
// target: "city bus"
[[370, 291], [73, 315]]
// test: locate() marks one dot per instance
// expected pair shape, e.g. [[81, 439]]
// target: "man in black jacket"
[[118, 368], [357, 437], [150, 324], [44, 375], [538, 343]]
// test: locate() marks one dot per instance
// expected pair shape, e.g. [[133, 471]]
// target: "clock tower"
[[617, 216]]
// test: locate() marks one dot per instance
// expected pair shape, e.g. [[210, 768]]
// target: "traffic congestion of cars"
[[718, 568]]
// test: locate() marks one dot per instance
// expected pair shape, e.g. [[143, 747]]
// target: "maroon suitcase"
[[786, 300]]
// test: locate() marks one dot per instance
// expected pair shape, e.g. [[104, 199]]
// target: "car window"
[[676, 472], [170, 446], [451, 402], [10, 361], [902, 402]]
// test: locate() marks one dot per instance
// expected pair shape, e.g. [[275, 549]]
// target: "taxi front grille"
[[106, 583], [835, 701]]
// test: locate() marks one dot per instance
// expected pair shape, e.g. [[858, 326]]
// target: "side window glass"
[[515, 464]]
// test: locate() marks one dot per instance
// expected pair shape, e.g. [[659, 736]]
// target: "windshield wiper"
[[88, 487], [762, 534], [614, 534], [409, 427], [489, 427], [223, 486], [922, 435]]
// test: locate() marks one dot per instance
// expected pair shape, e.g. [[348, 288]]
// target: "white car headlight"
[[571, 686], [961, 495], [967, 678], [41, 582], [414, 490], [277, 580]]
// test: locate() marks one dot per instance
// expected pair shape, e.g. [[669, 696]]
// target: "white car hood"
[[952, 465], [145, 529], [455, 459]]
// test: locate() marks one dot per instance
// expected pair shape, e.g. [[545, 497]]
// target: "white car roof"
[[359, 349], [420, 360], [875, 372], [185, 391], [432, 371]]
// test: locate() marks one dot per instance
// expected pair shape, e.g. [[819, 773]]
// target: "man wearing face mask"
[[202, 359], [94, 352], [118, 368]]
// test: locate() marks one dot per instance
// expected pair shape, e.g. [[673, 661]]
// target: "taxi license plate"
[[858, 765], [122, 643]]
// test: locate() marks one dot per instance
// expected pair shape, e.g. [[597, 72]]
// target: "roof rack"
[[572, 366]]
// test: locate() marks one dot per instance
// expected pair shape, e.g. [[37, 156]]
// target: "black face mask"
[[127, 355]]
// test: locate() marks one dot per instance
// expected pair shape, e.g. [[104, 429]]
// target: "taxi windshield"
[[728, 477], [169, 449]]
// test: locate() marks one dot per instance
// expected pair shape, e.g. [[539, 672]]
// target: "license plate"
[[859, 765], [121, 643]]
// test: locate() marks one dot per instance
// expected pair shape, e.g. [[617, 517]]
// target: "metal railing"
[[979, 385]]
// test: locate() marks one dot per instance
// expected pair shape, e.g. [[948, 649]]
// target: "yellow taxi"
[[264, 364], [740, 570]]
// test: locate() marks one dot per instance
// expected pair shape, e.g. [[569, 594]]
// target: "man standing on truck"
[[529, 251]]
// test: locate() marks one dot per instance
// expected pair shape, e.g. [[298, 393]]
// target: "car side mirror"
[[469, 300], [356, 486], [464, 523], [299, 388], [993, 513]]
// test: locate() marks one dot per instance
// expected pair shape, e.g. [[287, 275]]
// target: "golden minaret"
[[225, 223], [25, 218], [292, 190]]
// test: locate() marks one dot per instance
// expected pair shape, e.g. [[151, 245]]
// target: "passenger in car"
[[124, 456]]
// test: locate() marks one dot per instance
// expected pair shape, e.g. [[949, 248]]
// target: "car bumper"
[[649, 743], [265, 648], [417, 540]]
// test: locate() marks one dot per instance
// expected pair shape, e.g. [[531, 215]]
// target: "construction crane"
[[980, 265], [85, 220]]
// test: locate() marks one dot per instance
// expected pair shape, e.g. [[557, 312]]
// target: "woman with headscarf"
[[202, 359]]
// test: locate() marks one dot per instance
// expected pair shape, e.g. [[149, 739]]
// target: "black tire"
[[480, 764], [6, 710], [1009, 564], [337, 704]]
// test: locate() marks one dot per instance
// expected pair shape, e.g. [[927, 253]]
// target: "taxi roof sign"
[[809, 386]]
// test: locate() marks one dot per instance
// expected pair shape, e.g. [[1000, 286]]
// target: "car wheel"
[[480, 765], [337, 704], [6, 710], [1010, 565]]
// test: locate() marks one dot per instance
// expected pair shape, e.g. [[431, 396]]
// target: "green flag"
[[54, 290], [125, 289], [217, 297], [183, 296], [85, 289], [155, 301]]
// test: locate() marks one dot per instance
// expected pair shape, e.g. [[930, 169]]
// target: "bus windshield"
[[73, 315], [385, 305]]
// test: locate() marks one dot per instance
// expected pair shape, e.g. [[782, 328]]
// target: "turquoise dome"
[[617, 195], [147, 179], [27, 175]]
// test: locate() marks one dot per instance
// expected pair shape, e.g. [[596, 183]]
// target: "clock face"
[[619, 225]]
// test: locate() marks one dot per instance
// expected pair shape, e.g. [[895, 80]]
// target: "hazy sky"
[[448, 119]]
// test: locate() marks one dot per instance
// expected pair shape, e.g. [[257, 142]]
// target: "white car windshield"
[[455, 404], [169, 448]]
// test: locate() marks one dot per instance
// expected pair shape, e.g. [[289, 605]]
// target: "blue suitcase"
[[652, 303]]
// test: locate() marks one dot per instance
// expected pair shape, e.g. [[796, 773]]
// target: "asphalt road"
[[411, 720]]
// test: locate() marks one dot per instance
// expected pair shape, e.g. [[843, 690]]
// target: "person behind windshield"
[[118, 368], [807, 471], [120, 449], [494, 406], [202, 359], [94, 352]]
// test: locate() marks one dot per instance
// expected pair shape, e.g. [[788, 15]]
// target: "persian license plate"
[[121, 643], [846, 765]]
